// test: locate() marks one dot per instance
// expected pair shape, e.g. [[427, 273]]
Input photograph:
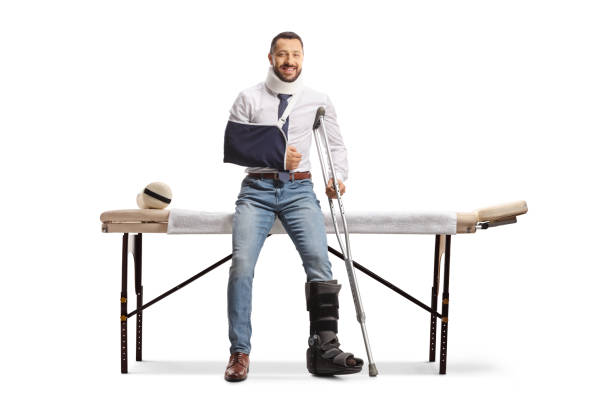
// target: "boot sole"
[[325, 368]]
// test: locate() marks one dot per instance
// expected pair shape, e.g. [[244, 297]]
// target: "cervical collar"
[[277, 85]]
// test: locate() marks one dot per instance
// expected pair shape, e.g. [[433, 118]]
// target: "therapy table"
[[134, 223]]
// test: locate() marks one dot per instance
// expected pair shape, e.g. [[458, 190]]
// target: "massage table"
[[134, 223]]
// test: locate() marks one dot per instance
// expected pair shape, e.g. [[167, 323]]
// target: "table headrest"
[[501, 211]]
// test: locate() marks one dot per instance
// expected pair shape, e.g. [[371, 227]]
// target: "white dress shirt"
[[259, 104]]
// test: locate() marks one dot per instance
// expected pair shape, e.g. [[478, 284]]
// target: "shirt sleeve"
[[241, 110], [336, 144], [249, 144]]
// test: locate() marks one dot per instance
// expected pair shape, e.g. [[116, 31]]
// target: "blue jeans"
[[258, 204]]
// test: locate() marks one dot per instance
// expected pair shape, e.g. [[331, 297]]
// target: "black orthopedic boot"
[[324, 356]]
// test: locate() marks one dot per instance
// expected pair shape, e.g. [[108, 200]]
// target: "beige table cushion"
[[149, 220], [138, 215]]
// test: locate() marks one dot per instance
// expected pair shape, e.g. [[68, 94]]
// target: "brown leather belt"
[[300, 175]]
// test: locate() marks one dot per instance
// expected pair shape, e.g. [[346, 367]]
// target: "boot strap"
[[342, 357], [334, 353], [321, 325], [323, 311], [316, 289], [322, 299]]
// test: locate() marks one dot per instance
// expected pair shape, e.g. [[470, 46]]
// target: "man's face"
[[286, 60]]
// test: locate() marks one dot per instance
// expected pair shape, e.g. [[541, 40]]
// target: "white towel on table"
[[374, 222]]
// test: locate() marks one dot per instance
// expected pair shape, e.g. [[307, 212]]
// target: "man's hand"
[[293, 158], [331, 191]]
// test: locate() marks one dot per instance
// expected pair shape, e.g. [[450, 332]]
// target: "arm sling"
[[258, 145]]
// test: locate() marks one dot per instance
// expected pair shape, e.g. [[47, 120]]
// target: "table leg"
[[124, 267], [433, 324], [445, 297], [138, 288]]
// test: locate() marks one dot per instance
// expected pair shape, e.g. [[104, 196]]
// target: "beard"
[[282, 78]]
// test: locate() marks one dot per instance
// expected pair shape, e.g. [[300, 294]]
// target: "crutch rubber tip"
[[373, 370]]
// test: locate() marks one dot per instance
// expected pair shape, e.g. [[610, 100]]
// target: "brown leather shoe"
[[238, 367]]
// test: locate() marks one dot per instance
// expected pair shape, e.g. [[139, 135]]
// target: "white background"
[[443, 105]]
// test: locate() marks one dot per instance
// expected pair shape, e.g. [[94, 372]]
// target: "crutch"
[[348, 259]]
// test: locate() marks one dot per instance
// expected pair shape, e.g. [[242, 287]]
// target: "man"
[[270, 131]]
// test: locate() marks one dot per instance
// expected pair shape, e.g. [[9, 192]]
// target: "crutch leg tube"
[[327, 167]]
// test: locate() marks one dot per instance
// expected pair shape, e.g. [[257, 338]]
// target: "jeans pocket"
[[245, 186], [249, 182], [300, 183]]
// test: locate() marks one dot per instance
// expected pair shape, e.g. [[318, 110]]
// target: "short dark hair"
[[288, 35]]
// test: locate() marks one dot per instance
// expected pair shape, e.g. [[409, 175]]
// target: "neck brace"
[[278, 86]]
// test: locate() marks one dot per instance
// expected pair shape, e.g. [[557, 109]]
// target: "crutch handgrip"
[[317, 121]]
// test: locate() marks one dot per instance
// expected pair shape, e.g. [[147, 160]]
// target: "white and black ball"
[[156, 195]]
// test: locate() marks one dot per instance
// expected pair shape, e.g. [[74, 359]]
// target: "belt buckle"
[[284, 178]]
